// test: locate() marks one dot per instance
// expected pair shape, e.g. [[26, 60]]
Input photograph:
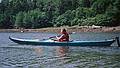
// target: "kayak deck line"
[[50, 42]]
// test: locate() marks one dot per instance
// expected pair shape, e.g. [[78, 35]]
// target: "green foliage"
[[103, 20], [65, 5], [65, 19], [6, 21], [19, 19], [76, 21], [113, 11], [1, 20], [100, 20], [61, 21], [88, 21], [48, 13], [85, 3], [100, 6], [32, 19], [82, 12]]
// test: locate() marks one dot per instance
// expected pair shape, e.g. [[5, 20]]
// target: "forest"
[[34, 14]]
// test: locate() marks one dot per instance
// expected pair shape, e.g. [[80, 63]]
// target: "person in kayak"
[[64, 37]]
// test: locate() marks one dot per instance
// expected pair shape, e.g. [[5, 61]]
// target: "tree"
[[65, 5], [100, 20], [113, 11], [19, 20], [76, 21], [86, 3], [100, 6], [116, 16], [82, 12], [46, 13]]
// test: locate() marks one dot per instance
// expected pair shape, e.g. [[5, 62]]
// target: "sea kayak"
[[50, 42]]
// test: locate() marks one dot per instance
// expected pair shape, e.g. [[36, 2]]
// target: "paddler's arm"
[[56, 38], [59, 37]]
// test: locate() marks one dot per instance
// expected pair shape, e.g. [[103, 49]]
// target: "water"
[[13, 55]]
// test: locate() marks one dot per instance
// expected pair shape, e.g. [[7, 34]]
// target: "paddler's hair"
[[63, 31]]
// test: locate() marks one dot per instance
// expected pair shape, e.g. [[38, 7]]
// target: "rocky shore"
[[69, 29]]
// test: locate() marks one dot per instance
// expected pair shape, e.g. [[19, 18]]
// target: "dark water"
[[13, 55]]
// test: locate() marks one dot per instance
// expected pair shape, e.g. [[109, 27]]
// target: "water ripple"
[[23, 56]]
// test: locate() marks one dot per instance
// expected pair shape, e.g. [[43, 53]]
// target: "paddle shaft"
[[59, 35]]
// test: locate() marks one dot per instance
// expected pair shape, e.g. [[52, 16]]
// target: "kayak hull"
[[53, 43]]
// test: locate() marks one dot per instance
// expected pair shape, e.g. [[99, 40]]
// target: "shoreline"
[[69, 29]]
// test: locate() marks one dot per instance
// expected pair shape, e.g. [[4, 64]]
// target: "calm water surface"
[[13, 55]]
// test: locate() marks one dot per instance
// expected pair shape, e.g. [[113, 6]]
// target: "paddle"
[[58, 36]]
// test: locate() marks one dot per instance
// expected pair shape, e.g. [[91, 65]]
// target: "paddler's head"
[[63, 31]]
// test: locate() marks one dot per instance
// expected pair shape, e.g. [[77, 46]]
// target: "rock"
[[96, 27]]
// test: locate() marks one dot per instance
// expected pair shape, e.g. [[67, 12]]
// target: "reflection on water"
[[62, 51], [59, 51], [39, 51], [13, 55]]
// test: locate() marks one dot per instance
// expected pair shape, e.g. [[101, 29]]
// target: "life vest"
[[65, 37]]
